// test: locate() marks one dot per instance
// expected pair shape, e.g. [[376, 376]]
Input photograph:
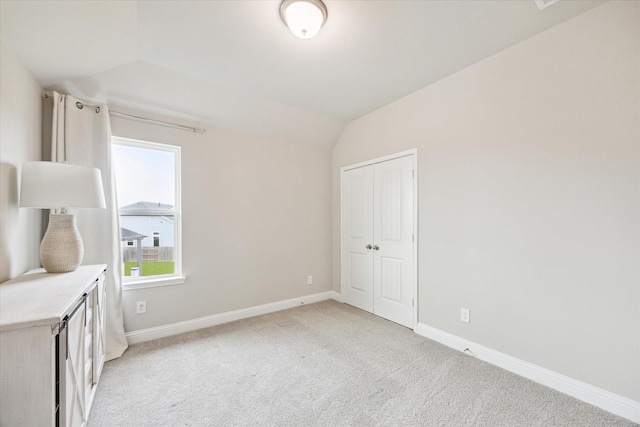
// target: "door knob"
[[376, 247], [368, 246]]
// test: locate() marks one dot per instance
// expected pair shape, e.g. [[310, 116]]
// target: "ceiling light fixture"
[[303, 17]]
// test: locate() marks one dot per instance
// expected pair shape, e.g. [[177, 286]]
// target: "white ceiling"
[[234, 63]]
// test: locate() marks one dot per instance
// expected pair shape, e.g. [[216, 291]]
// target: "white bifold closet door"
[[378, 271]]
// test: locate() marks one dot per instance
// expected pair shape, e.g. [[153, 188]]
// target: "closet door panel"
[[393, 238], [357, 233], [391, 279]]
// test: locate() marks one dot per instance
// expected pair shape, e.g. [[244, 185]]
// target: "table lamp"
[[51, 185]]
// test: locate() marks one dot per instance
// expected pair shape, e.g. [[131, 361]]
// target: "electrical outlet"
[[309, 280], [141, 307], [465, 315]]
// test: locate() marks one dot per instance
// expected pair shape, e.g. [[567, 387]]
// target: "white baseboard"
[[604, 399], [336, 296], [149, 334]]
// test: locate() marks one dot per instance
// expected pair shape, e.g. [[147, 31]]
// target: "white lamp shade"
[[303, 17], [51, 185]]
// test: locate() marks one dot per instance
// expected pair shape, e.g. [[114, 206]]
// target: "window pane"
[[144, 176], [153, 251], [146, 189]]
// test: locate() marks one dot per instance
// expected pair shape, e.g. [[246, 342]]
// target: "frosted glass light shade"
[[51, 185], [303, 17]]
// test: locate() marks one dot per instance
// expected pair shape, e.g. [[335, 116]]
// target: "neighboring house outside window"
[[148, 191]]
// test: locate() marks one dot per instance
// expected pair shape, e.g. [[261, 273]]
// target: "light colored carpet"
[[324, 364]]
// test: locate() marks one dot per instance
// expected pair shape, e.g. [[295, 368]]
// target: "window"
[[148, 191]]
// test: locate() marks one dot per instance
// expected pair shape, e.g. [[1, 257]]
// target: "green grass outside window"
[[151, 268]]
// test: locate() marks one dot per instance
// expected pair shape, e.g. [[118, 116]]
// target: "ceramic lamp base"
[[61, 249]]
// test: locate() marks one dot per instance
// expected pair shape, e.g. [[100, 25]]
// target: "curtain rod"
[[115, 113], [158, 122]]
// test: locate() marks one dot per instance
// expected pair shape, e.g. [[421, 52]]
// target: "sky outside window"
[[144, 175]]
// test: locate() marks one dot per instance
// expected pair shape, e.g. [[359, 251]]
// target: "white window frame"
[[130, 283]]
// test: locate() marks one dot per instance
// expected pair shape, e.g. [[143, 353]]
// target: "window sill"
[[130, 285]]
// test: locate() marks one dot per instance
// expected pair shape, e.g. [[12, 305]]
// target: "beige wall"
[[20, 118], [256, 223], [529, 188], [529, 197]]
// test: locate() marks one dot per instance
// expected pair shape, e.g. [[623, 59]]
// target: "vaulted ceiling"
[[234, 63]]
